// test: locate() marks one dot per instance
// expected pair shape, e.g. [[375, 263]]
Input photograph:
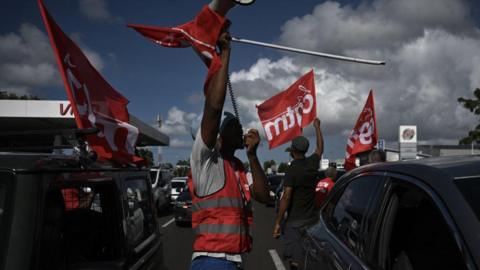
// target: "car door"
[[340, 239], [416, 231]]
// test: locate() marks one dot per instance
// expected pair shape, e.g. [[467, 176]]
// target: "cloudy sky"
[[432, 50]]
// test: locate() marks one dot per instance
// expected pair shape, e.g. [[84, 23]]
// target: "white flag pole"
[[326, 55]]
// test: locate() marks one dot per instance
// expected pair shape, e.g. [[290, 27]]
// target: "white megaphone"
[[244, 2], [223, 6]]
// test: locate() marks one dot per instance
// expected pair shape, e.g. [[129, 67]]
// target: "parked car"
[[273, 183], [58, 214], [161, 187], [421, 214], [178, 184], [182, 208]]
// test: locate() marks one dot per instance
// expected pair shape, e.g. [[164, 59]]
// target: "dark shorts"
[[293, 233]]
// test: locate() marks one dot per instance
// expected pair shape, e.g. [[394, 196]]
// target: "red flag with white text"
[[94, 102], [284, 115], [364, 135], [201, 34]]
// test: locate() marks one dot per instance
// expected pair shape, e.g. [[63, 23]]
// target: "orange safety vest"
[[222, 220]]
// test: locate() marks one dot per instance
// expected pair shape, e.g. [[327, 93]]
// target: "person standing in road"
[[221, 195], [325, 185], [298, 196]]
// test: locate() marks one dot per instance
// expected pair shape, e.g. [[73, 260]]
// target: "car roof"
[[441, 174], [32, 162]]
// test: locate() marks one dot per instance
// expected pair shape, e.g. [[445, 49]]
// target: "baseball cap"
[[299, 144]]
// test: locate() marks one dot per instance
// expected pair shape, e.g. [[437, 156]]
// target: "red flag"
[[94, 102], [284, 115], [364, 136], [202, 34]]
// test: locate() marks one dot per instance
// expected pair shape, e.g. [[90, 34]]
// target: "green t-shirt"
[[301, 175]]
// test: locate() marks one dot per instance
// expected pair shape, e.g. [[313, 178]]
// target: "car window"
[[178, 184], [416, 233], [470, 189], [5, 195], [153, 176], [82, 197], [346, 214], [140, 219]]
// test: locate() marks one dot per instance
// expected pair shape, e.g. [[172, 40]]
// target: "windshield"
[[470, 189], [178, 184]]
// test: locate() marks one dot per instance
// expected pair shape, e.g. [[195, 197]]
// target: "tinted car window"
[[153, 176], [177, 184], [470, 189], [140, 219], [5, 193], [346, 214]]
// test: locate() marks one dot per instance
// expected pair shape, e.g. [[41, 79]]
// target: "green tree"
[[183, 162], [8, 95], [268, 164], [146, 154], [473, 105], [282, 168]]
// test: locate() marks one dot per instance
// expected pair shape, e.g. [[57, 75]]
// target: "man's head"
[[331, 172], [231, 132], [299, 147], [376, 156]]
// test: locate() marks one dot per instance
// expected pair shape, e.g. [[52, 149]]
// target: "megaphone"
[[223, 6], [244, 2]]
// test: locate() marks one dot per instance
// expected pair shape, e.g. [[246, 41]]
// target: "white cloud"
[[96, 10], [432, 59], [27, 61], [176, 143], [179, 122]]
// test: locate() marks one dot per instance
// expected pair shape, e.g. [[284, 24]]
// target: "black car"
[[57, 214], [420, 214], [182, 208], [274, 181]]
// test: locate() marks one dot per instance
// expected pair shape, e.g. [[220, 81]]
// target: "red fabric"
[[202, 34], [221, 242], [284, 115], [94, 102], [364, 136], [321, 191]]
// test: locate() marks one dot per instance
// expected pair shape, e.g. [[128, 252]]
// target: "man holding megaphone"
[[221, 194]]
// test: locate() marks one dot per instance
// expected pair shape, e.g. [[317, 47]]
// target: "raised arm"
[[259, 188], [215, 98], [318, 133]]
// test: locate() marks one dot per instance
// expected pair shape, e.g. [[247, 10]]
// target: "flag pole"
[[326, 55]]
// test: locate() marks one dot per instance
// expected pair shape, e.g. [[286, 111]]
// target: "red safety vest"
[[222, 220]]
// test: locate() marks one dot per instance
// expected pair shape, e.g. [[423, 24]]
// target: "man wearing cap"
[[298, 199], [221, 194]]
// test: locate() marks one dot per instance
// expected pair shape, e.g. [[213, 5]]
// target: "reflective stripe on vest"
[[219, 228], [217, 203]]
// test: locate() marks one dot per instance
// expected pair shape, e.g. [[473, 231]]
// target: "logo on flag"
[[284, 115], [201, 34], [364, 135], [95, 103]]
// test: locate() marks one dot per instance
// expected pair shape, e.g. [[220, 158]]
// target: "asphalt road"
[[177, 243]]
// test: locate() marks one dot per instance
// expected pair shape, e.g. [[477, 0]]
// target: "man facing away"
[[298, 196], [221, 196]]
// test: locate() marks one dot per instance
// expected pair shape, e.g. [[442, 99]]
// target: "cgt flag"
[[202, 34], [364, 135], [284, 115], [94, 102]]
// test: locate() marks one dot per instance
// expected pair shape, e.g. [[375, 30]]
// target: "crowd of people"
[[222, 195]]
